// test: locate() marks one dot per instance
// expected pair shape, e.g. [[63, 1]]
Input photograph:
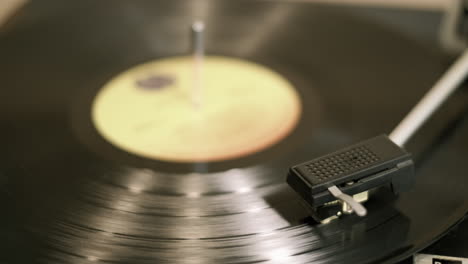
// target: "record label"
[[156, 111]]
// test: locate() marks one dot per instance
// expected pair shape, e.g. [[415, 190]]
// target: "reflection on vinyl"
[[73, 191]]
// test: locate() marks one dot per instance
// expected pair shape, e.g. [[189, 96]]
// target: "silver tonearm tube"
[[431, 101]]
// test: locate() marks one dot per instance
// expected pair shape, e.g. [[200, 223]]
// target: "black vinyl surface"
[[67, 196]]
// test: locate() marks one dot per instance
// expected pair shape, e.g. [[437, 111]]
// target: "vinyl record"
[[71, 195]]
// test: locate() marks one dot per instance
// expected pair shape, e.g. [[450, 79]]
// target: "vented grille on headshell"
[[340, 163]]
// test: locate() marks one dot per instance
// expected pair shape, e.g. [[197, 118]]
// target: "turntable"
[[127, 140]]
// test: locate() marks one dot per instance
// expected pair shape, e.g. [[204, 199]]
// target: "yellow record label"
[[168, 110]]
